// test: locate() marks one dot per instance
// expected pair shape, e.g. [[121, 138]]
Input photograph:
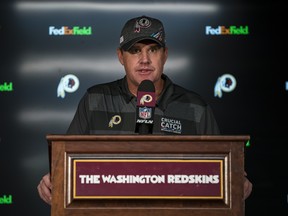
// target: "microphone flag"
[[146, 102]]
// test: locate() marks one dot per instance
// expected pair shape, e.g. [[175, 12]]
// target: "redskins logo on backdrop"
[[69, 83], [225, 83]]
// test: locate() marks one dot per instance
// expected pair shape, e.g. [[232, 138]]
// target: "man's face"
[[144, 60]]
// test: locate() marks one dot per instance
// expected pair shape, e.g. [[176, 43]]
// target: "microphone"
[[146, 101]]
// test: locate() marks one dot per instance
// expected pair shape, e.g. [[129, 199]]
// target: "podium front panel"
[[147, 175]]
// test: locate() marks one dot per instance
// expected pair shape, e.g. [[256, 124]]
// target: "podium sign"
[[147, 175], [138, 179]]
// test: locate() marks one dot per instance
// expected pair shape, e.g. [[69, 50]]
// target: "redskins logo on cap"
[[142, 23]]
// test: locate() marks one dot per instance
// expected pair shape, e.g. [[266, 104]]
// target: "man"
[[110, 108]]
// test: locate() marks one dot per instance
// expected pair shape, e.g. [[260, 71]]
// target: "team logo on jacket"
[[115, 120], [145, 112]]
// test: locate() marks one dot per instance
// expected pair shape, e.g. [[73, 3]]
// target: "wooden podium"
[[96, 175]]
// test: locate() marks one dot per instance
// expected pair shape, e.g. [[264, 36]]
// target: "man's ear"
[[166, 53], [120, 55]]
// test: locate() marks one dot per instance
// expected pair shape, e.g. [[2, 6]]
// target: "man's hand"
[[44, 189]]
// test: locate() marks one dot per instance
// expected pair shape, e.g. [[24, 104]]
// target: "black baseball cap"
[[142, 28]]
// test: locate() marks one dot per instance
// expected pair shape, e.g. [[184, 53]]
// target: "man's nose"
[[145, 57]]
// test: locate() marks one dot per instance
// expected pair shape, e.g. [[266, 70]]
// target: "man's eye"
[[154, 49], [134, 50]]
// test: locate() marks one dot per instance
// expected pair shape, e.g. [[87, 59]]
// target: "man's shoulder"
[[103, 87], [187, 95]]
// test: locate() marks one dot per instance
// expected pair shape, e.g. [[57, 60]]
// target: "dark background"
[[35, 62]]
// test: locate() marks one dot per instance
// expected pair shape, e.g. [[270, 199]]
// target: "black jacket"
[[110, 108]]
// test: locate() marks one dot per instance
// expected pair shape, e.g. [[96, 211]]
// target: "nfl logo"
[[145, 112]]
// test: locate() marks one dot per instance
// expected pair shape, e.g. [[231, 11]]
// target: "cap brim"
[[130, 43]]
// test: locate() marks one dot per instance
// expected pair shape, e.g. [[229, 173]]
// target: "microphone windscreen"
[[146, 85]]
